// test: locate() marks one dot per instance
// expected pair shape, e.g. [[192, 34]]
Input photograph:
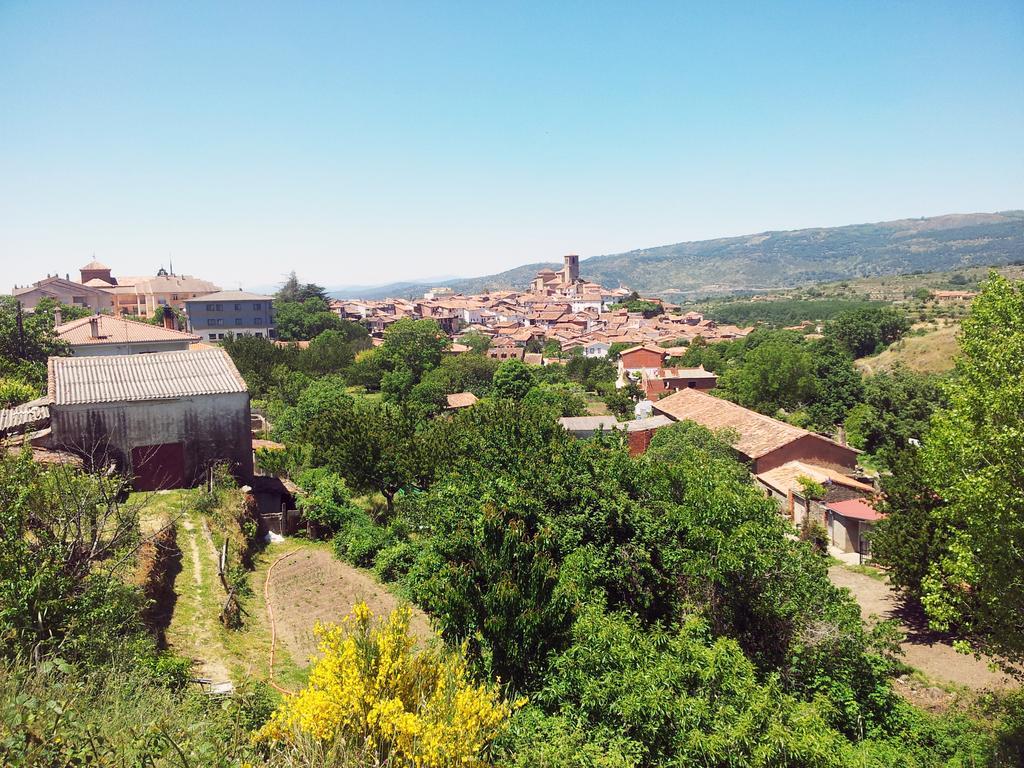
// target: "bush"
[[394, 561], [15, 392], [370, 700], [360, 542]]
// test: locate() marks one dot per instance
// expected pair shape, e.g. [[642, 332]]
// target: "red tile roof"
[[856, 509], [116, 330]]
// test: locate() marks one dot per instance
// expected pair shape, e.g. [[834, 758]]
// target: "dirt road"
[[923, 649], [313, 585]]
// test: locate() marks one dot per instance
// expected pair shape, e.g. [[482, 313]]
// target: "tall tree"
[[293, 290], [838, 386], [777, 373], [966, 563], [416, 345], [305, 320]]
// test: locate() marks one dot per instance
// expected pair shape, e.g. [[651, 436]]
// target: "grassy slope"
[[932, 352]]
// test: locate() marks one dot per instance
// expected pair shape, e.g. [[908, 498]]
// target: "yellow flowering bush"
[[370, 695]]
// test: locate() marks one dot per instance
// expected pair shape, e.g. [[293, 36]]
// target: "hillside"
[[771, 260], [931, 352]]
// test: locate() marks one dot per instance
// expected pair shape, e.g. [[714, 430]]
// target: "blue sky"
[[370, 142]]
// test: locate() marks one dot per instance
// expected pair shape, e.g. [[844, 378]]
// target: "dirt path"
[[189, 633], [313, 585], [923, 649]]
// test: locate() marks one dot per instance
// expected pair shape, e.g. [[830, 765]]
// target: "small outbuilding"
[[460, 400], [163, 418], [850, 522]]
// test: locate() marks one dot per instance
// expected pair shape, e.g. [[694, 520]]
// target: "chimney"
[[168, 320], [56, 316], [94, 327]]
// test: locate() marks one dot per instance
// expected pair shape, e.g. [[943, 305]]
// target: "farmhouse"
[[786, 484], [765, 443], [164, 418]]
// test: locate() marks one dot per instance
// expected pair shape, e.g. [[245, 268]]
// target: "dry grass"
[[932, 352]]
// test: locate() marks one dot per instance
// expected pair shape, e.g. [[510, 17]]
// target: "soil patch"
[[923, 649], [313, 585]]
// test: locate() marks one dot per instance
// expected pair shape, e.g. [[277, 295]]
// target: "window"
[[220, 307], [257, 305], [213, 336], [238, 321], [174, 297], [210, 307], [258, 321], [238, 307], [258, 334]]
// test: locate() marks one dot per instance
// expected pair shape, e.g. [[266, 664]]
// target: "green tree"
[[15, 392], [897, 407], [305, 320], [178, 318], [867, 331], [27, 341], [65, 544], [837, 384], [415, 345], [326, 500], [477, 342], [513, 380], [294, 291], [971, 458], [776, 374]]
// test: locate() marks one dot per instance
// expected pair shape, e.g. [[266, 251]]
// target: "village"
[[512, 385], [169, 416]]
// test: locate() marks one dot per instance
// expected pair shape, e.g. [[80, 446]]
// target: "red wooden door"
[[157, 467]]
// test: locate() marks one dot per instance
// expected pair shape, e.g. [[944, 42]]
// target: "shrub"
[[360, 542], [394, 560], [372, 700], [15, 391]]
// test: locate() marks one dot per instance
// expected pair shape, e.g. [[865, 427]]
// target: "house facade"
[[850, 524], [66, 292], [216, 315]]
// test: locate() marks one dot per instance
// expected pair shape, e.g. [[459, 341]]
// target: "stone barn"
[[163, 418]]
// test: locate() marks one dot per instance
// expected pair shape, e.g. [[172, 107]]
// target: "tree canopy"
[[971, 466]]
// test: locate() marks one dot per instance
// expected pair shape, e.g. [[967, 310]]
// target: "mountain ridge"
[[776, 259]]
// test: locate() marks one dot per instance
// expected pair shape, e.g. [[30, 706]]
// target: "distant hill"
[[771, 260]]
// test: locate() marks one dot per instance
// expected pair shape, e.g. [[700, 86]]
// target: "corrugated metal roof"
[[12, 419], [157, 376]]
